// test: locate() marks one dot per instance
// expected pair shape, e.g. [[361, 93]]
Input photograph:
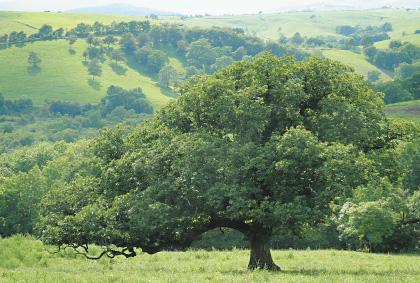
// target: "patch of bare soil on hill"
[[413, 110]]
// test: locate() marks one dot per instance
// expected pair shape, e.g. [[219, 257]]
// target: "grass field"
[[24, 259], [313, 24], [355, 60], [63, 72], [63, 75], [404, 110], [30, 22]]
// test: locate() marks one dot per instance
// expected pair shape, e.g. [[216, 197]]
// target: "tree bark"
[[260, 252]]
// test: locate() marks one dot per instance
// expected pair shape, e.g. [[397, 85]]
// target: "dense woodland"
[[49, 147]]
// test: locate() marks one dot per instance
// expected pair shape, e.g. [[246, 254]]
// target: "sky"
[[192, 7]]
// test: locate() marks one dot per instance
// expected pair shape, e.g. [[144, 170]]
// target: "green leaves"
[[266, 145]]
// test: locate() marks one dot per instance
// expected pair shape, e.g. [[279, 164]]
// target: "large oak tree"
[[261, 147]]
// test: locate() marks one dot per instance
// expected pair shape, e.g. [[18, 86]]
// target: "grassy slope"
[[357, 61], [74, 84], [30, 22], [323, 23], [24, 259], [404, 110], [312, 24], [63, 75], [63, 72]]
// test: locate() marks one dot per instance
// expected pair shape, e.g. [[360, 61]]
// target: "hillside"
[[63, 75], [63, 72], [314, 24], [30, 22], [404, 110], [73, 83]]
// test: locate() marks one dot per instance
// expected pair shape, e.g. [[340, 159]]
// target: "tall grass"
[[24, 259]]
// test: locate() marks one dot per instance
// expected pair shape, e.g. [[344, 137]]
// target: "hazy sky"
[[194, 7], [181, 6]]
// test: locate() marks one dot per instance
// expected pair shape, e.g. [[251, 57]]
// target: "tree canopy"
[[262, 147]]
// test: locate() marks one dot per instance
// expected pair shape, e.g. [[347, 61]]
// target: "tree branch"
[[108, 252]]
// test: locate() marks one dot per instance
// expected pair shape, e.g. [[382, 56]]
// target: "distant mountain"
[[123, 10]]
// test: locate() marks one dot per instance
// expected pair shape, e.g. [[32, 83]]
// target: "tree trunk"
[[260, 253]]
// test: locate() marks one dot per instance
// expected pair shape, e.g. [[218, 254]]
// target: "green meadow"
[[63, 75], [30, 22], [357, 61], [25, 259], [63, 71], [312, 24], [404, 110]]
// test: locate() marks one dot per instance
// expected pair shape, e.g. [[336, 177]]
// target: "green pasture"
[[24, 259], [408, 110], [312, 24], [357, 61], [30, 22], [63, 74]]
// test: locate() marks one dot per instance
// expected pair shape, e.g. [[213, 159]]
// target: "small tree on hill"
[[110, 39], [72, 40], [34, 60], [117, 55], [167, 76], [94, 68]]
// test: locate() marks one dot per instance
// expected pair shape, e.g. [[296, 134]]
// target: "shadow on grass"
[[72, 52], [94, 84], [169, 92], [132, 63], [119, 70], [108, 51], [33, 71]]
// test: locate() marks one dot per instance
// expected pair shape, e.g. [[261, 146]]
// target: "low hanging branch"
[[108, 252]]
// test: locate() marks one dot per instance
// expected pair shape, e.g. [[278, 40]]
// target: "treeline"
[[203, 51], [22, 125], [390, 59], [399, 90], [401, 58], [353, 37], [46, 32], [359, 36]]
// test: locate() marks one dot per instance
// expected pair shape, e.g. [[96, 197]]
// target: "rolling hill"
[[63, 73], [313, 24]]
